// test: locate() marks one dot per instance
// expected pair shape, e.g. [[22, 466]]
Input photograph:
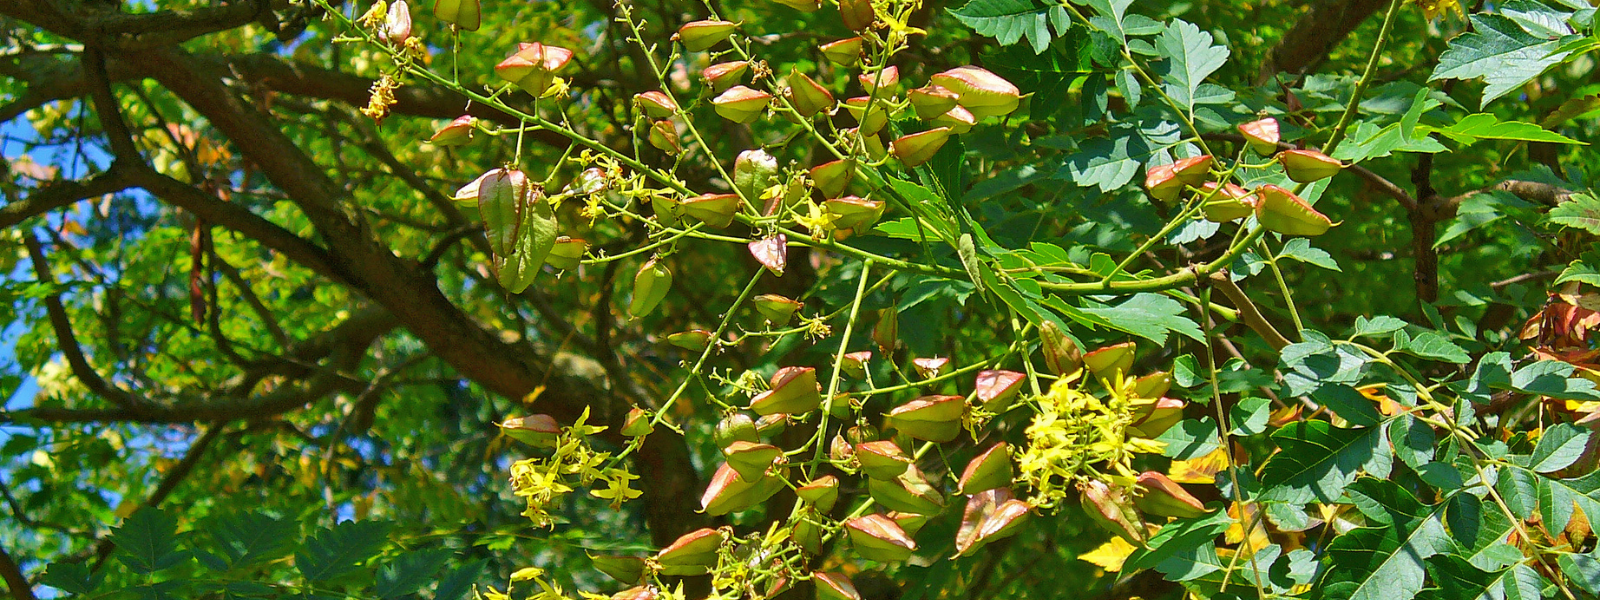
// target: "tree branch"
[[1316, 34], [61, 323], [1248, 311], [60, 194], [14, 578]]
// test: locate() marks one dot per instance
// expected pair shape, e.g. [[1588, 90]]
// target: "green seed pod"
[[1154, 385], [626, 569], [845, 52], [638, 592], [463, 14], [877, 537], [995, 390], [989, 516], [958, 119], [1227, 202], [1111, 360], [772, 425], [693, 339], [663, 136], [841, 451], [521, 227], [697, 548], [539, 431], [862, 433], [870, 121], [805, 6], [753, 172], [776, 309], [854, 214], [987, 471], [930, 367], [722, 76], [918, 148], [882, 459], [701, 35], [1193, 171], [650, 287], [669, 211], [655, 104], [457, 133], [728, 492], [1306, 166], [1262, 135], [750, 459], [567, 253], [886, 333], [834, 586], [808, 96], [858, 15], [741, 104], [637, 423], [1162, 414], [833, 177], [910, 522], [907, 493], [737, 427], [855, 364], [715, 210], [931, 101], [887, 78], [1281, 211], [981, 92], [808, 536], [1109, 509], [822, 493], [794, 391], [930, 418], [533, 67], [1164, 497]]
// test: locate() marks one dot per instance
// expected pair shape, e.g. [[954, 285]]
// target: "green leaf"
[[72, 577], [1500, 51], [1558, 448], [1581, 211], [1149, 316], [340, 550], [1300, 249], [1316, 460], [1553, 378], [1484, 126], [147, 541], [1179, 537], [458, 582], [1189, 438], [1190, 58], [1413, 440], [1385, 563], [1376, 326], [1348, 403], [1008, 21], [1110, 17], [410, 571], [1249, 416], [1585, 270], [1558, 497], [250, 538], [1582, 570], [1457, 578], [1434, 346]]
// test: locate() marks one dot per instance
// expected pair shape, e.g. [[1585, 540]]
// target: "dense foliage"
[[852, 299]]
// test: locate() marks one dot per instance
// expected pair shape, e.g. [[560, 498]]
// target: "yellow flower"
[[617, 489], [1433, 8]]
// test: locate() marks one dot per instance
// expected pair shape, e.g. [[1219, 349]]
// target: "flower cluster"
[[1076, 436]]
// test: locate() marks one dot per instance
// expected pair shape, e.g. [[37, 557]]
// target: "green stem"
[[1366, 79]]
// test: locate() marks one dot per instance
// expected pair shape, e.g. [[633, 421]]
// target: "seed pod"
[[741, 104], [716, 210], [808, 96], [872, 144], [1193, 171], [1113, 360], [907, 493], [626, 569], [655, 104], [834, 586], [1154, 385], [650, 287], [1162, 182], [854, 214], [397, 24], [1162, 415], [958, 119], [753, 172], [877, 537], [701, 35], [821, 492], [468, 194], [1061, 354], [1164, 497], [981, 92], [533, 67], [928, 368], [882, 459], [794, 390], [832, 177], [887, 331], [911, 523], [855, 364], [637, 423], [857, 15], [918, 148], [772, 253], [521, 227], [567, 253], [457, 133], [696, 548], [995, 390], [1227, 202], [931, 101], [930, 418], [638, 592], [776, 309], [664, 137], [808, 536], [737, 427], [1109, 509], [990, 516], [845, 52], [464, 14], [728, 492], [887, 78], [1280, 210], [804, 6], [722, 76], [870, 121], [539, 431], [693, 339], [772, 425], [840, 450], [987, 471], [1262, 135], [751, 459], [669, 211], [1306, 166], [862, 433]]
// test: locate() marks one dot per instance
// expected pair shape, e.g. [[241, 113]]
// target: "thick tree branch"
[[136, 31], [67, 340], [1248, 311], [60, 194], [14, 577], [1316, 34]]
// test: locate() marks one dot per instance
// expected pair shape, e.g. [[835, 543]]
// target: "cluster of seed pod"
[[1277, 209]]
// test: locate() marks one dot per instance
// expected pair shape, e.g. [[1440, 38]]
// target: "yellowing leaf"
[[1201, 469], [1110, 555]]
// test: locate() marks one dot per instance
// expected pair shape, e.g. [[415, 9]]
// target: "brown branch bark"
[[61, 194], [67, 340], [1315, 34], [14, 577], [1248, 311]]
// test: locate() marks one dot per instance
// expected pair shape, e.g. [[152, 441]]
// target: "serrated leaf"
[[1457, 578], [1558, 448], [456, 584], [1581, 211], [1189, 438], [147, 540], [410, 571], [1149, 316], [249, 538], [1585, 271], [1190, 58], [1500, 51], [1316, 461], [1433, 345], [1008, 21], [1385, 563], [1558, 498], [1377, 326], [72, 577], [1484, 126], [1300, 249], [1249, 416], [1582, 570], [1111, 14], [340, 550]]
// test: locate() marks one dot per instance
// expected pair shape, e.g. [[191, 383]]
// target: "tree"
[[866, 298]]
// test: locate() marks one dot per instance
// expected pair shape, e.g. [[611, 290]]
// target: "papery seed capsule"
[[930, 418], [693, 339], [1306, 166], [821, 492], [539, 431], [458, 132], [650, 287], [664, 137], [737, 427], [987, 471], [669, 211], [533, 67], [855, 364], [907, 493], [886, 333], [751, 459], [464, 14], [1113, 360], [1281, 211], [696, 548], [919, 148], [858, 15], [1162, 415], [840, 451], [882, 459], [910, 522], [753, 172], [521, 227], [794, 390], [1164, 497], [854, 214], [958, 119], [397, 24], [871, 120], [655, 104], [1193, 171], [626, 569], [887, 78], [1227, 202], [724, 75], [808, 96], [990, 516], [877, 537], [1154, 385], [1262, 135], [741, 104], [729, 492], [980, 91], [771, 425], [637, 423], [638, 592], [1109, 508], [996, 389], [567, 253], [776, 309], [1061, 354], [931, 101], [832, 178], [845, 52], [834, 586], [700, 35], [772, 253], [716, 210]]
